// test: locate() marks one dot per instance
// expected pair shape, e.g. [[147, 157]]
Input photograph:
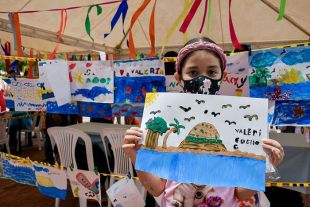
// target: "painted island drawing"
[[219, 138]]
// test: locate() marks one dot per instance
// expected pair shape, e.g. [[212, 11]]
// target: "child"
[[199, 69]]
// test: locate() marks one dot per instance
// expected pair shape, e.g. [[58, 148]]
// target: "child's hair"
[[200, 43]]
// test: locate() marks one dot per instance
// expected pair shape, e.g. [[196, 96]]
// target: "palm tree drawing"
[[259, 78], [175, 128]]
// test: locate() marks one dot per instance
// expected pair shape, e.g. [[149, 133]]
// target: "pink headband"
[[201, 45]]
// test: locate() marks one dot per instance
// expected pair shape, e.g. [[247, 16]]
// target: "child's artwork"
[[51, 181], [85, 184], [235, 81], [46, 89], [131, 110], [95, 110], [134, 78], [172, 85], [69, 108], [19, 170], [220, 135], [26, 94], [125, 193], [57, 74], [91, 81], [292, 113], [9, 99], [281, 73]]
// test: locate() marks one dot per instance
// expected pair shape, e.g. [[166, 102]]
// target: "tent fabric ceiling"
[[254, 21]]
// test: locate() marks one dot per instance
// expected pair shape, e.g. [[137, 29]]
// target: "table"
[[94, 128], [295, 166]]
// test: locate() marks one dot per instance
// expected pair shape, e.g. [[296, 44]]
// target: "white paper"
[[172, 84], [125, 193], [57, 74]]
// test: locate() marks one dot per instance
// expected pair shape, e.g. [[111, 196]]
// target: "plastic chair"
[[66, 138], [37, 129], [122, 164], [4, 138]]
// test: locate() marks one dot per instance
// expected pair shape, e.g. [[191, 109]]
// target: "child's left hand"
[[274, 150]]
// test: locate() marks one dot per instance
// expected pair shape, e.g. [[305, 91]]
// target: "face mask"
[[202, 85]]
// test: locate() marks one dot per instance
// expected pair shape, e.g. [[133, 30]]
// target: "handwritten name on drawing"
[[173, 84], [237, 81], [146, 71], [247, 141]]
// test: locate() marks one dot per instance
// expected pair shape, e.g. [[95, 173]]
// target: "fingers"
[[275, 151], [272, 142]]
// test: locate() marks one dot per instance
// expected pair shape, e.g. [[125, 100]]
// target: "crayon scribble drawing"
[[51, 181], [69, 108], [279, 74], [85, 184], [204, 134], [96, 110], [26, 94], [91, 81], [134, 78], [18, 170]]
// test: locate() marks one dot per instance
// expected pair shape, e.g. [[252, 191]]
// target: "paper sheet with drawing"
[[217, 137]]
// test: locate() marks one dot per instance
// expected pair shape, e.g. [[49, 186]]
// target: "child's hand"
[[274, 150], [131, 140]]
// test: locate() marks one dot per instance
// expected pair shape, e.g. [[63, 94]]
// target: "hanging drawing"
[[134, 78], [292, 112], [51, 181], [91, 81], [18, 170], [46, 89], [85, 184], [280, 73], [235, 79], [223, 133], [95, 110], [69, 108], [25, 94], [9, 98], [131, 110]]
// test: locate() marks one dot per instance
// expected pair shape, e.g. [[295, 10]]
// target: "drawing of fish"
[[91, 93], [250, 117]]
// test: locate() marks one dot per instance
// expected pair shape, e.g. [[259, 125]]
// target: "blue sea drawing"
[[292, 112], [91, 93], [19, 173], [96, 110], [53, 192], [133, 89], [131, 110], [204, 169], [263, 59], [293, 91], [52, 107]]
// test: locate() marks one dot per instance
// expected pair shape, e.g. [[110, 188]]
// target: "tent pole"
[[288, 18]]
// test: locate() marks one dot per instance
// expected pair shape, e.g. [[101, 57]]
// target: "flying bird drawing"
[[250, 117], [230, 122], [226, 106], [200, 101], [185, 109], [155, 112], [189, 119], [244, 107], [215, 114]]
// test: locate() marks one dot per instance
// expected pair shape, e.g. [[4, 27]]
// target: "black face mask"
[[202, 85]]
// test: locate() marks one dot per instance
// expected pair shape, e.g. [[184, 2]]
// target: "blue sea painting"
[[51, 181], [20, 171], [298, 91], [204, 169], [95, 110], [52, 107], [133, 89], [292, 112], [131, 110], [280, 73], [92, 93]]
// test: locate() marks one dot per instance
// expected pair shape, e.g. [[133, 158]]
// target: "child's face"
[[201, 63]]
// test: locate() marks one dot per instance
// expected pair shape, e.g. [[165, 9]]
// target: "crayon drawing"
[[69, 108], [51, 181], [95, 110], [131, 110], [46, 89], [279, 74], [292, 112], [18, 170], [85, 184], [91, 81], [205, 134]]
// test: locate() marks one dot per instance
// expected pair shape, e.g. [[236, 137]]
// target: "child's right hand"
[[131, 142]]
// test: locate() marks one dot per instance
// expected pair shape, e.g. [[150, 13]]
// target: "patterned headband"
[[200, 46]]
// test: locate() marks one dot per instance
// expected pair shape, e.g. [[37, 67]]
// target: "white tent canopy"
[[254, 21]]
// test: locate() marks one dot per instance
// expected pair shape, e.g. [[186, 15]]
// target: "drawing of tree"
[[156, 127], [175, 128], [259, 78]]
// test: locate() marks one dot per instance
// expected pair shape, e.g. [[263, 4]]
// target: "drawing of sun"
[[150, 98]]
